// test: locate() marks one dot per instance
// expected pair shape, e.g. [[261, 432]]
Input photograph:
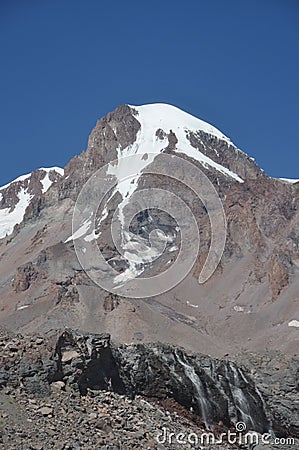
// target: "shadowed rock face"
[[217, 390], [276, 376]]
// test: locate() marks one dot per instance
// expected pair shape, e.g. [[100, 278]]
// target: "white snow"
[[22, 307], [191, 304], [56, 169], [139, 252], [9, 219], [239, 308], [128, 274], [46, 182], [28, 175], [90, 237], [289, 180], [166, 117], [294, 323], [80, 232]]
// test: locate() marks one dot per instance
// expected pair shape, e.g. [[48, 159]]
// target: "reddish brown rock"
[[24, 276]]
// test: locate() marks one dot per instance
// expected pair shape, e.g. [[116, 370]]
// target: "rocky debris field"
[[70, 390], [100, 420]]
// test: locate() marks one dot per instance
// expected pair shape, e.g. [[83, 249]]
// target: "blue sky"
[[66, 63]]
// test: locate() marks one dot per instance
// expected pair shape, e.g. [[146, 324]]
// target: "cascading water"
[[200, 393], [239, 374], [218, 389], [241, 400], [239, 397]]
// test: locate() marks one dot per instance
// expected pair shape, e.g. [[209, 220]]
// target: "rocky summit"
[[177, 258]]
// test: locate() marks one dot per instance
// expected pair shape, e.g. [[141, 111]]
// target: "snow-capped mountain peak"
[[157, 121], [168, 117]]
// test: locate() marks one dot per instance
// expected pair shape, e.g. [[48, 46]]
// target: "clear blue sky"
[[66, 63]]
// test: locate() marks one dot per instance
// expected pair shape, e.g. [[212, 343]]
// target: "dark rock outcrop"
[[277, 378], [218, 391]]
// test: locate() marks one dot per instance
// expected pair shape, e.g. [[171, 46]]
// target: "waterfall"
[[257, 392], [239, 397], [221, 390], [200, 396]]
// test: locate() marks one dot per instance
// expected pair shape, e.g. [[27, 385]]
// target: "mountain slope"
[[251, 298]]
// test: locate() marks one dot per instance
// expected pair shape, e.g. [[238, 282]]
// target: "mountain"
[[175, 258], [245, 302]]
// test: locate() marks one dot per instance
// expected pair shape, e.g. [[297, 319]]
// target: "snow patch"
[[294, 323], [9, 219], [22, 307], [191, 304], [80, 232], [129, 274], [289, 180], [46, 182], [28, 175], [238, 308]]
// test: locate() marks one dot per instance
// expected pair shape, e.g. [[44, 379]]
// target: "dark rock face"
[[226, 155], [86, 361], [277, 378], [216, 390], [118, 128]]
